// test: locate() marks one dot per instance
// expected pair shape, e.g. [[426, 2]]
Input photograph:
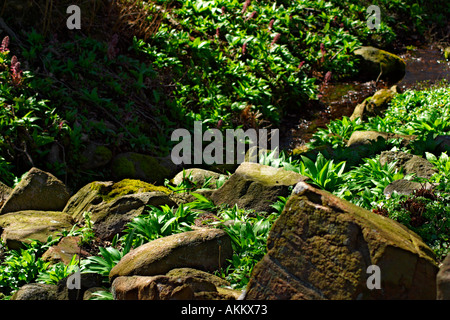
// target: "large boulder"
[[112, 205], [19, 227], [443, 280], [410, 163], [132, 165], [322, 246], [380, 64], [256, 186], [204, 249], [38, 190]]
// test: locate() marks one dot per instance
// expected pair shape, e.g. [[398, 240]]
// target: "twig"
[[11, 33]]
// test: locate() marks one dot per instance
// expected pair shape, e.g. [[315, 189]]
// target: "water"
[[424, 67]]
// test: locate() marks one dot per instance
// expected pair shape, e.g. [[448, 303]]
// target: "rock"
[[133, 165], [87, 281], [5, 191], [443, 144], [112, 205], [186, 197], [95, 156], [410, 163], [65, 250], [402, 186], [374, 105], [321, 246], [359, 138], [38, 190], [198, 177], [377, 63], [178, 284], [443, 280], [158, 288], [19, 227], [190, 272], [203, 249], [89, 294], [256, 186], [37, 291]]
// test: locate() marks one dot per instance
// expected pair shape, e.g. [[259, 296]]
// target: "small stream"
[[424, 67]]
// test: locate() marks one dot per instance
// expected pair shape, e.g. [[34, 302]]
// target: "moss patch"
[[130, 186]]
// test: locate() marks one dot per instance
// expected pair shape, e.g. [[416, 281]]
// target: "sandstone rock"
[[203, 249], [321, 246], [5, 191], [159, 288], [374, 105], [443, 280], [359, 138], [402, 186], [19, 227], [198, 177], [443, 143], [38, 190], [377, 63], [112, 205], [133, 165], [186, 284], [87, 281], [190, 272], [255, 186], [64, 251], [410, 163], [37, 291]]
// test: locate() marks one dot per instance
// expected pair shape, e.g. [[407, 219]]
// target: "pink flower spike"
[[246, 4], [271, 24], [5, 44], [275, 39], [244, 49]]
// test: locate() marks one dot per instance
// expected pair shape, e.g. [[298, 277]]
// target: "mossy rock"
[[112, 205], [130, 186], [133, 165], [321, 247], [255, 186], [204, 249], [377, 63], [19, 227], [374, 105], [38, 190]]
